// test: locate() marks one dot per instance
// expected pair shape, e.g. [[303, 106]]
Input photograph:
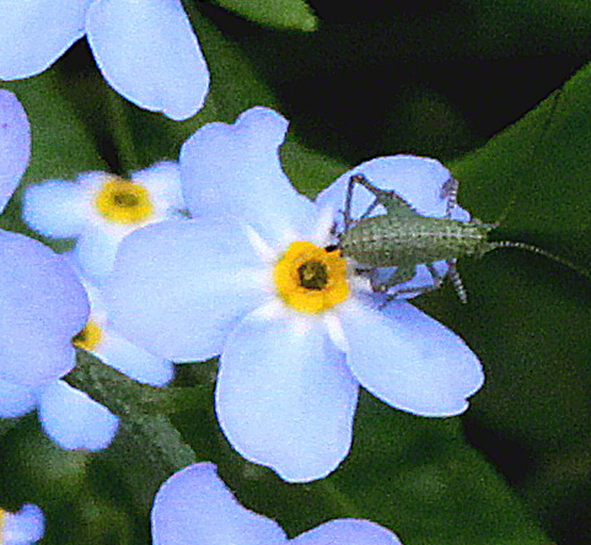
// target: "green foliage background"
[[501, 93]]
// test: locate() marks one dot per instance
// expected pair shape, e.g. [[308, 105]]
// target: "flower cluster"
[[44, 300], [254, 279]]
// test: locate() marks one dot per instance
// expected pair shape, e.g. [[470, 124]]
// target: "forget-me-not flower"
[[99, 209], [251, 279], [194, 507], [24, 527], [42, 303], [145, 49], [70, 417]]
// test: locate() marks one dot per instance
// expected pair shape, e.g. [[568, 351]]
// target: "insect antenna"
[[534, 249]]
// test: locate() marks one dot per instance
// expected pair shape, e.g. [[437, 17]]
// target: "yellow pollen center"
[[122, 201], [311, 279], [89, 338], [2, 522]]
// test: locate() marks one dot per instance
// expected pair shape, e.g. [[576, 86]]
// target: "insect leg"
[[406, 273], [449, 191], [393, 203], [402, 274], [456, 281], [349, 199]]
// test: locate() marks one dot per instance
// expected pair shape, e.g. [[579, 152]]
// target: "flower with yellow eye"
[[24, 527], [99, 209], [70, 417], [254, 279]]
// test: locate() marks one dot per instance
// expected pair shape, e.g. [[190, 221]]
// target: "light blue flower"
[[70, 417], [145, 49], [42, 303], [250, 280], [99, 209], [194, 507], [23, 527]]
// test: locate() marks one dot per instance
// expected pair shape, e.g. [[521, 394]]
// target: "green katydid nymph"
[[403, 238]]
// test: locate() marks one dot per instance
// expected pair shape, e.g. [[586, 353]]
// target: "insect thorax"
[[387, 241]]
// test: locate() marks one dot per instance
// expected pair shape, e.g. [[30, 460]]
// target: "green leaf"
[[527, 317], [7, 424], [140, 406], [420, 478], [283, 14], [146, 451]]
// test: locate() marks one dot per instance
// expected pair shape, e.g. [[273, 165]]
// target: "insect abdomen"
[[387, 241]]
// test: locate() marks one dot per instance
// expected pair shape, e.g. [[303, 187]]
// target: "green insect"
[[403, 238]]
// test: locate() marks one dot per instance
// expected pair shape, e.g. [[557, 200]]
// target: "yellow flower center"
[[89, 338], [122, 201], [2, 521], [311, 279]]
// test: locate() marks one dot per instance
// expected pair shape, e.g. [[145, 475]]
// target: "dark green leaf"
[[288, 14], [528, 317]]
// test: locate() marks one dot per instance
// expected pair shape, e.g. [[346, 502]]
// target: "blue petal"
[[195, 507], [74, 420], [418, 180], [148, 52], [15, 142], [15, 399], [284, 399], [163, 182], [95, 250], [409, 360], [35, 33], [178, 287], [56, 208], [42, 306], [23, 527], [347, 532], [133, 361], [235, 170]]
